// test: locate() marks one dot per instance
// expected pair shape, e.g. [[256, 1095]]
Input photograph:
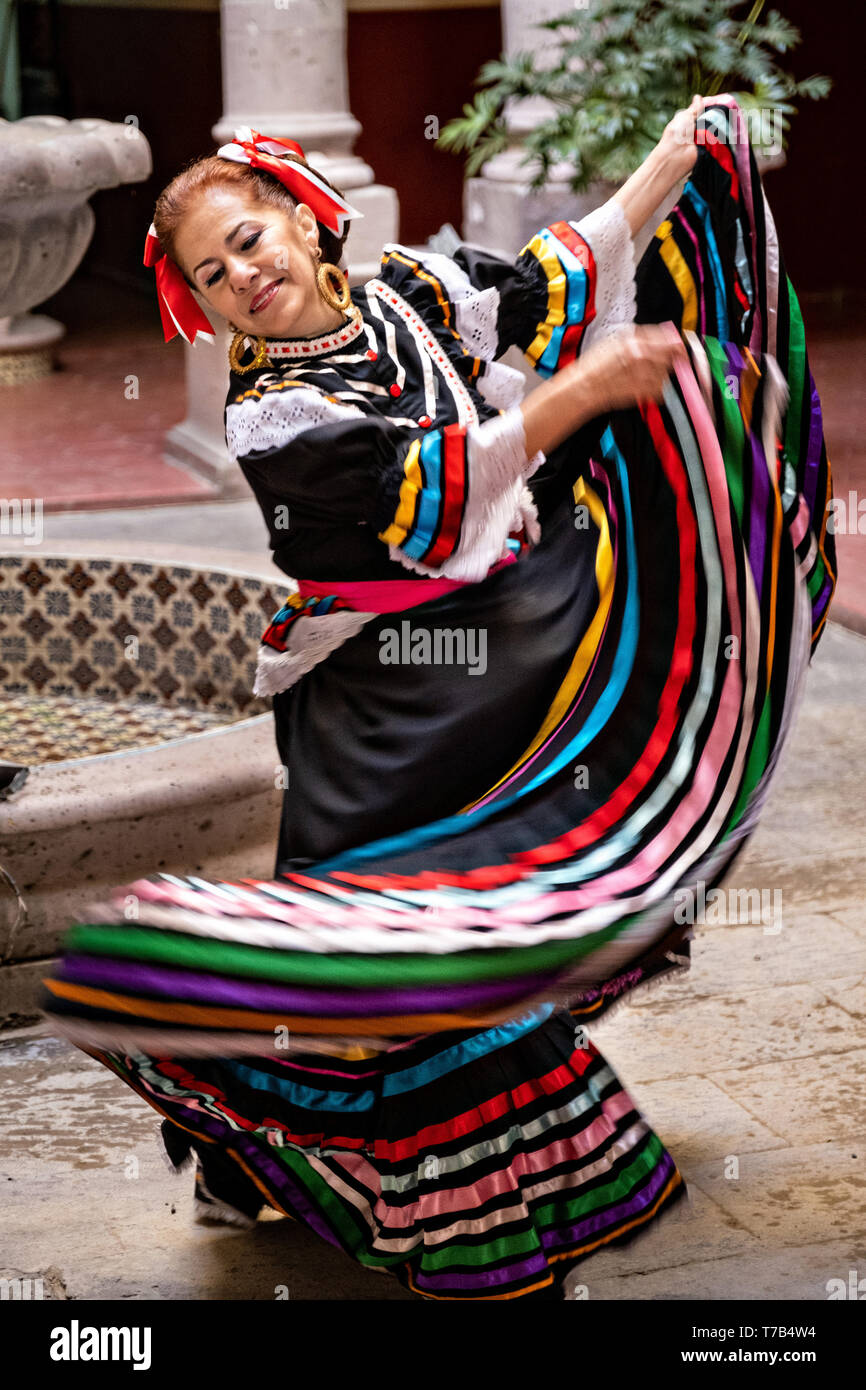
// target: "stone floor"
[[750, 1070]]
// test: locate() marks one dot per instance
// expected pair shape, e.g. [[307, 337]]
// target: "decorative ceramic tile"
[[88, 644], [35, 730]]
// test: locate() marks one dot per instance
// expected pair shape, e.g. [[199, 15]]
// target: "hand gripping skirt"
[[387, 1041]]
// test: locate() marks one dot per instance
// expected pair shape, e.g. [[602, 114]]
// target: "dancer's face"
[[255, 264]]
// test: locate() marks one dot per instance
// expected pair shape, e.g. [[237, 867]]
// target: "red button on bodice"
[[394, 389]]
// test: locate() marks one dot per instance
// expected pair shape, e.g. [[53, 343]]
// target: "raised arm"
[[568, 288]]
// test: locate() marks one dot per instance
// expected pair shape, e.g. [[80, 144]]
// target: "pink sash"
[[387, 595]]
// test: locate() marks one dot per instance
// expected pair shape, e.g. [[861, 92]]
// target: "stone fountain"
[[49, 169]]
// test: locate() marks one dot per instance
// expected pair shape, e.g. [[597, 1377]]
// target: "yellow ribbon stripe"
[[680, 274], [411, 486], [557, 294]]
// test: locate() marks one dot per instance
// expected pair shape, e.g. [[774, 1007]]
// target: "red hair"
[[213, 171]]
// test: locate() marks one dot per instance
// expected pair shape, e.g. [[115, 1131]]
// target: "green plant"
[[619, 72]]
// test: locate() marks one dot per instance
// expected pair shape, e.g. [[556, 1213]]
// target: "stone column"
[[284, 73], [10, 79], [499, 210]]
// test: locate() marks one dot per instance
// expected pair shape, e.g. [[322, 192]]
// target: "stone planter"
[[49, 169]]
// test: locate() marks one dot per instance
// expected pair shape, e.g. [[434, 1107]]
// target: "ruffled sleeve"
[[572, 284], [445, 501]]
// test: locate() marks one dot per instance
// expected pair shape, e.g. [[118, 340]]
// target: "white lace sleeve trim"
[[610, 241], [274, 419], [502, 386], [476, 311], [497, 503]]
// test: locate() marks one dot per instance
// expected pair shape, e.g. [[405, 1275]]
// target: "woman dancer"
[[529, 693]]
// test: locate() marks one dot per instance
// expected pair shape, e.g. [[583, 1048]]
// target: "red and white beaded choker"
[[324, 342]]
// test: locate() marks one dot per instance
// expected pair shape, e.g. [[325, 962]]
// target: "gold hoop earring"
[[236, 347], [339, 298]]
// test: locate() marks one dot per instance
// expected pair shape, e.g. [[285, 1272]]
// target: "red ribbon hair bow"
[[262, 151], [179, 310]]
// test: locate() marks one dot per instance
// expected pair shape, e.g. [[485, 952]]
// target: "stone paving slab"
[[793, 1196], [699, 1119], [113, 1245], [853, 917], [829, 881], [850, 995], [744, 958], [711, 1034], [808, 1102], [796, 1274]]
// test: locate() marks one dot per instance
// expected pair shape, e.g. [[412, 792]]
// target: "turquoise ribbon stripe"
[[575, 301], [427, 514]]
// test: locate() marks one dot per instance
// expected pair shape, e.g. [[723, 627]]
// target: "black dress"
[[488, 837]]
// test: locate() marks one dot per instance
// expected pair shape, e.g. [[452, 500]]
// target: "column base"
[[27, 343], [504, 215], [201, 450]]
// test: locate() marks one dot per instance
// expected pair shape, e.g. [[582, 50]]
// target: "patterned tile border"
[[133, 632]]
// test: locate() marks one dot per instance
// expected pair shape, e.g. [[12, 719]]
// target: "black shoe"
[[223, 1192]]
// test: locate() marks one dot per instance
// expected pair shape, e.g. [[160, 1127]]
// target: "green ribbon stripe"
[[309, 968]]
